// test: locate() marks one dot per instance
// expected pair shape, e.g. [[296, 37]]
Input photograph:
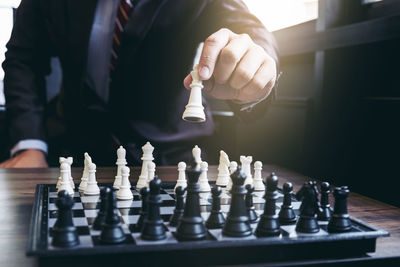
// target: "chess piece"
[[191, 226], [196, 151], [216, 219], [92, 188], [286, 214], [151, 168], [179, 206], [65, 183], [69, 160], [64, 232], [269, 223], [258, 181], [112, 232], [124, 192], [203, 180], [237, 223], [246, 167], [194, 110], [307, 222], [101, 215], [121, 162], [144, 194], [153, 226], [340, 220], [325, 213], [253, 217], [146, 158], [181, 175], [232, 168], [85, 174], [223, 169]]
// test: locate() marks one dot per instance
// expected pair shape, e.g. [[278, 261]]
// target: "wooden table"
[[17, 188]]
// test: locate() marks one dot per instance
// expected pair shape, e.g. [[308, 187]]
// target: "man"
[[122, 79]]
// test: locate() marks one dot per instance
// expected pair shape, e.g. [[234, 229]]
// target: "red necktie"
[[123, 13]]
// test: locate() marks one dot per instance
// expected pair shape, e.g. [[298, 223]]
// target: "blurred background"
[[337, 112]]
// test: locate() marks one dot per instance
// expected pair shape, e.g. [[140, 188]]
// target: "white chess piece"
[[65, 183], [196, 152], [85, 174], [146, 158], [60, 160], [194, 110], [246, 168], [223, 169], [70, 160], [203, 179], [92, 188], [258, 182], [124, 192], [121, 162], [151, 168], [232, 168], [181, 175]]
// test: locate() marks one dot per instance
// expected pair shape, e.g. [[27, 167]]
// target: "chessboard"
[[215, 249]]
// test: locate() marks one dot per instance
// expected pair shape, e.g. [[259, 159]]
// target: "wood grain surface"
[[17, 188]]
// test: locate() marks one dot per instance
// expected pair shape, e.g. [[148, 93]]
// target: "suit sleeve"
[[25, 66]]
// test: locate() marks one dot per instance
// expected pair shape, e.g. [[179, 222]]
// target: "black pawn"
[[216, 219], [191, 226], [286, 214], [309, 207], [179, 206], [340, 220], [325, 212], [251, 212], [153, 226], [98, 222], [237, 223], [269, 222], [112, 232], [144, 194], [64, 232]]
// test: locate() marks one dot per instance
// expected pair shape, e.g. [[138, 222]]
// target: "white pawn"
[[124, 192], [181, 175], [246, 168], [121, 162], [194, 110], [85, 174], [146, 158], [232, 168], [258, 182], [65, 183], [151, 168], [196, 151], [203, 179], [92, 188], [223, 169]]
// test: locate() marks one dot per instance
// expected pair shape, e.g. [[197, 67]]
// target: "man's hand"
[[30, 158], [233, 67]]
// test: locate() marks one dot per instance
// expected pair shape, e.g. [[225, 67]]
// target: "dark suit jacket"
[[147, 97]]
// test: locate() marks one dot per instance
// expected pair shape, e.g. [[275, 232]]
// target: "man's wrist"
[[27, 144]]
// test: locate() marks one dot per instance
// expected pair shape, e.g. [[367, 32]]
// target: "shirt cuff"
[[29, 144]]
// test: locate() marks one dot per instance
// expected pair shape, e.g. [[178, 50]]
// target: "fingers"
[[211, 50], [187, 81]]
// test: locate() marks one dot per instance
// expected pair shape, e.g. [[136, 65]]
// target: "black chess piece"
[[101, 215], [64, 232], [269, 222], [144, 194], [253, 217], [179, 206], [325, 212], [112, 232], [237, 223], [191, 226], [340, 220], [309, 207], [153, 226], [216, 219], [286, 214]]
